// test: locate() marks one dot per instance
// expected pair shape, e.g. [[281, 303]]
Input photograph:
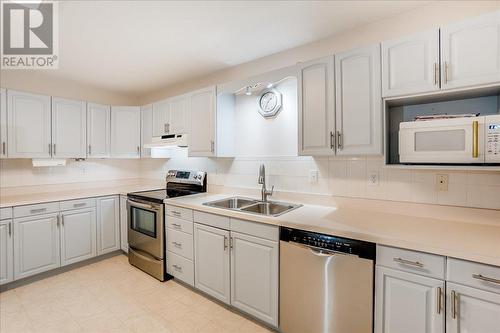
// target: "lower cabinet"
[[6, 252], [407, 302], [108, 224], [36, 245], [78, 235], [254, 276], [123, 223], [211, 257]]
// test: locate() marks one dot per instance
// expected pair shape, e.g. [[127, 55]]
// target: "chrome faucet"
[[262, 180]]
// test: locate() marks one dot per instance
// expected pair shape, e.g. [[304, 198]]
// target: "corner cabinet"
[[108, 224], [69, 128], [125, 132], [358, 101], [3, 123], [98, 130], [28, 125], [201, 108], [411, 64], [316, 107]]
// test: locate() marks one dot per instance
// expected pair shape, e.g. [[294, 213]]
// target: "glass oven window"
[[143, 221]]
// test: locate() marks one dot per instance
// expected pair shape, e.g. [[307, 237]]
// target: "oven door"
[[442, 141], [145, 227]]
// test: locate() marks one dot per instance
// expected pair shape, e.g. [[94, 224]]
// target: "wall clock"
[[270, 103]]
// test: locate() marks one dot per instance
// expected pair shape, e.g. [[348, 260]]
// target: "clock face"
[[270, 103]]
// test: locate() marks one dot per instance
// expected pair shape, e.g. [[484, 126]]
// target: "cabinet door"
[[69, 128], [202, 122], [254, 276], [98, 130], [409, 303], [108, 225], [3, 123], [470, 52], [316, 107], [123, 223], [411, 64], [161, 118], [125, 131], [470, 310], [178, 115], [6, 252], [36, 245], [359, 102], [78, 235], [28, 125], [146, 129], [211, 246]]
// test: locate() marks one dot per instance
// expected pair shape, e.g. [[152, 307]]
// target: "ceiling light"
[[248, 92], [269, 86]]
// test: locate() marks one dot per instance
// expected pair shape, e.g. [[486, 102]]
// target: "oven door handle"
[[143, 255], [141, 205]]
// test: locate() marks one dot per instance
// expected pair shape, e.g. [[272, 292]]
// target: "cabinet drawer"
[[179, 224], [261, 230], [183, 213], [180, 243], [5, 213], [474, 274], [29, 210], [217, 221], [77, 204], [180, 268], [411, 261]]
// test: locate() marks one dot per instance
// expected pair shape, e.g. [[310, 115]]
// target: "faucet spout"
[[262, 175], [262, 180]]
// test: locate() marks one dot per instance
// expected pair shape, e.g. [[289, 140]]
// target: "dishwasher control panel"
[[328, 242]]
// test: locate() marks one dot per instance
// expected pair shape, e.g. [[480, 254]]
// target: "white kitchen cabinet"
[[202, 106], [98, 130], [406, 302], [78, 235], [211, 257], [69, 128], [28, 125], [471, 310], [36, 245], [108, 224], [123, 223], [470, 52], [316, 107], [254, 276], [146, 129], [6, 252], [161, 117], [411, 64], [3, 123], [179, 114], [125, 131], [358, 101]]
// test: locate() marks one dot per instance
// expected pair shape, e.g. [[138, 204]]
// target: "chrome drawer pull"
[[178, 226], [408, 262], [485, 278], [454, 304], [176, 213], [177, 268], [39, 210], [439, 296], [177, 244], [81, 204]]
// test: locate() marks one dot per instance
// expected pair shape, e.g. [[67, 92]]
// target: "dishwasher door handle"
[[316, 250]]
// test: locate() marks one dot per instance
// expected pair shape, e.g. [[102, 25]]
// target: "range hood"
[[170, 140]]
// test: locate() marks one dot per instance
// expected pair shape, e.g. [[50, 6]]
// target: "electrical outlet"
[[313, 176], [442, 182], [373, 178]]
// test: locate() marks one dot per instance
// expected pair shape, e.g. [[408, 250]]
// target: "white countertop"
[[473, 241]]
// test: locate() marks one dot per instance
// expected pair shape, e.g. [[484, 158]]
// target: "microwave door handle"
[[475, 139]]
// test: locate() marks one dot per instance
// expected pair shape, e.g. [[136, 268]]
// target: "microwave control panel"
[[493, 140]]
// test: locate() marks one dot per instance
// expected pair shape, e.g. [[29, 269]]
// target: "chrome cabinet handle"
[[436, 74], [81, 204], [485, 278], [225, 243], [332, 140], [10, 229], [231, 242], [57, 220], [179, 245], [408, 262], [177, 268], [39, 210], [176, 213], [439, 296], [62, 220], [3, 148], [138, 150], [50, 149], [340, 141], [177, 226], [454, 304], [446, 72], [54, 148], [212, 146], [90, 150]]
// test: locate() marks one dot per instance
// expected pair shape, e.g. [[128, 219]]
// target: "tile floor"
[[112, 296]]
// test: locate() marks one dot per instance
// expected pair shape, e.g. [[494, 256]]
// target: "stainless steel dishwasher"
[[326, 283]]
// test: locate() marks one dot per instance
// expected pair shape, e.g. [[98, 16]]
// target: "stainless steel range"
[[146, 220]]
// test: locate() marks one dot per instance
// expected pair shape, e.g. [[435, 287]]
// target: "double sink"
[[247, 205]]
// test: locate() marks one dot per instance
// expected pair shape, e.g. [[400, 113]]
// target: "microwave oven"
[[471, 140]]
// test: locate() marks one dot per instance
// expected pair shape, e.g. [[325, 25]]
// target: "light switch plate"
[[313, 176]]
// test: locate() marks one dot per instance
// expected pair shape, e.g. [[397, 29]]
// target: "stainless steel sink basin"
[[247, 205]]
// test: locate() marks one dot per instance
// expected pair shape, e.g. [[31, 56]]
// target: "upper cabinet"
[[316, 107], [358, 101], [69, 126], [125, 131], [470, 52], [202, 106], [411, 64], [98, 130], [161, 118], [3, 123], [170, 116], [28, 129], [146, 129]]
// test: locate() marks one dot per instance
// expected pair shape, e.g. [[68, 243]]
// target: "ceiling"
[[135, 47]]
